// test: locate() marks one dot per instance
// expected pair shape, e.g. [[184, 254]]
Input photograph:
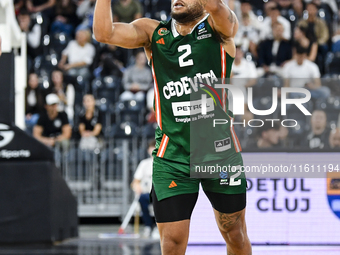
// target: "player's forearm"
[[102, 21], [224, 19]]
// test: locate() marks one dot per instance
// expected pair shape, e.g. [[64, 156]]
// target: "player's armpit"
[[129, 35]]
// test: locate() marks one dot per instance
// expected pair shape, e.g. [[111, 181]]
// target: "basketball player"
[[197, 42]]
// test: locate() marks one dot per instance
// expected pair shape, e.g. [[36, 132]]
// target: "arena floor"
[[90, 244]]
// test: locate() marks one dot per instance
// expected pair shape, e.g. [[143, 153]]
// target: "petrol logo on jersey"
[[163, 31], [333, 192]]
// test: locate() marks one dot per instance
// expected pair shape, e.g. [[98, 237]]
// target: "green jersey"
[[185, 68]]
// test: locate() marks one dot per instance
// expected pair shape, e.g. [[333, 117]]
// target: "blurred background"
[[103, 95]]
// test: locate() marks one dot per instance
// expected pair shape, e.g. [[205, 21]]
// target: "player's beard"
[[194, 12]]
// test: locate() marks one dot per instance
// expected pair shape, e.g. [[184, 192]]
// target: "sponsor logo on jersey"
[[161, 41], [163, 31], [188, 85], [191, 107], [201, 37], [201, 29], [172, 185], [224, 178], [222, 145]]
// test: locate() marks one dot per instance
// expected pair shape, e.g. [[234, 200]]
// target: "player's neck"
[[186, 28]]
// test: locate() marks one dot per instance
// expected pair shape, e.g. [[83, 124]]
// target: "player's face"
[[185, 11]]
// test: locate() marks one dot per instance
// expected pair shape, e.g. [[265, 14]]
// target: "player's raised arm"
[[133, 35], [223, 19]]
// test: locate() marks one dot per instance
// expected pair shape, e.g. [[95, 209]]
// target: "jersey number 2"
[[187, 49]]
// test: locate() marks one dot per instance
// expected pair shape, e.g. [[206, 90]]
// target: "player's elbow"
[[100, 34]]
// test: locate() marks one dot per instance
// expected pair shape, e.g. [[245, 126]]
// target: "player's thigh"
[[175, 208], [170, 179], [174, 193], [232, 224], [227, 194]]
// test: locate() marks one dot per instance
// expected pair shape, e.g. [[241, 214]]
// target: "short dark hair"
[[300, 49], [313, 3]]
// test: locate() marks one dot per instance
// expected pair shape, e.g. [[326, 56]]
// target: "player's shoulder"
[[146, 23]]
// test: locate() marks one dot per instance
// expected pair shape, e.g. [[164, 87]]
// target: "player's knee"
[[172, 241], [237, 237]]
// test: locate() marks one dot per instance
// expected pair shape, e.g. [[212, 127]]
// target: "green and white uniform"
[[184, 68]]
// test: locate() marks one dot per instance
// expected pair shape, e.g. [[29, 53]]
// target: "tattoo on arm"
[[227, 221]]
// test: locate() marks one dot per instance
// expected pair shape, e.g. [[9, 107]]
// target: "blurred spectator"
[[110, 60], [137, 79], [334, 139], [46, 7], [300, 72], [318, 137], [141, 185], [34, 102], [247, 35], [273, 53], [284, 132], [0, 46], [336, 41], [268, 136], [127, 11], [66, 19], [300, 38], [244, 75], [316, 27], [53, 126], [273, 15], [33, 33], [247, 10], [65, 92], [244, 72], [298, 6], [285, 6], [85, 13], [19, 5], [90, 124], [80, 54]]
